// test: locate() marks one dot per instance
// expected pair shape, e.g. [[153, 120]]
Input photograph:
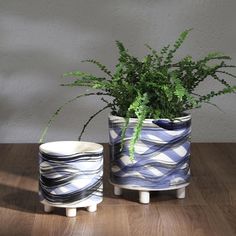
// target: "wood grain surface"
[[208, 209]]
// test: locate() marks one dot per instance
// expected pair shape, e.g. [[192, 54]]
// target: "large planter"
[[162, 156]]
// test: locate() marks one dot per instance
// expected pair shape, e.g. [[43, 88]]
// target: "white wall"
[[40, 40]]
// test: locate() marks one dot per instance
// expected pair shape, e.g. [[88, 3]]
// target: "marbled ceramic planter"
[[70, 175], [162, 156]]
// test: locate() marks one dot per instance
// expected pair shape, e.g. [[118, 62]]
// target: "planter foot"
[[71, 212], [180, 193], [48, 208], [117, 191], [144, 197], [92, 208]]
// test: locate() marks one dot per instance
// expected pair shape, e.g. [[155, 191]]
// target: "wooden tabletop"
[[208, 209]]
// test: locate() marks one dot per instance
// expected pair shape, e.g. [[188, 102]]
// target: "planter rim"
[[149, 122], [185, 115], [66, 148]]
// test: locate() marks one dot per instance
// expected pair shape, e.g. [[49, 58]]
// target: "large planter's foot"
[[71, 212], [180, 193], [92, 208], [48, 208], [144, 197], [117, 191]]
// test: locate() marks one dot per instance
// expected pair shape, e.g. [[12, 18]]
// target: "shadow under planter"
[[161, 160]]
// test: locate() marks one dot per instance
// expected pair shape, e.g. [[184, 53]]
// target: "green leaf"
[[180, 91]]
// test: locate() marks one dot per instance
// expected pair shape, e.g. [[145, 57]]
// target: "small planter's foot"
[[117, 191], [92, 208], [180, 193], [144, 197], [71, 212], [48, 208]]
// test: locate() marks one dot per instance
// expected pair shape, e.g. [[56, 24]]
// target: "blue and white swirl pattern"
[[71, 178], [162, 154]]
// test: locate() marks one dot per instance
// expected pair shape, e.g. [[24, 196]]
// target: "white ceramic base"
[[48, 208], [117, 191], [92, 208], [144, 197], [144, 194], [180, 193], [70, 211]]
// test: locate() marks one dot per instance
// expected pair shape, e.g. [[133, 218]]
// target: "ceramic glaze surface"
[[72, 177], [162, 154]]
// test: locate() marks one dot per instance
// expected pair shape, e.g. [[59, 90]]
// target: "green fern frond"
[[123, 132], [139, 107], [214, 94], [176, 46], [99, 65], [227, 73], [155, 54], [213, 56], [77, 74], [222, 81], [120, 46]]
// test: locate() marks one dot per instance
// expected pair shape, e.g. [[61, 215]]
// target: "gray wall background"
[[40, 40]]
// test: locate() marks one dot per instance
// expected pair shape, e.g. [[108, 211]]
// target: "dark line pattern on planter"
[[162, 154], [71, 178]]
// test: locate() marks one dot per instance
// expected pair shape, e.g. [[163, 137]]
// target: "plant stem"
[[60, 109], [91, 117]]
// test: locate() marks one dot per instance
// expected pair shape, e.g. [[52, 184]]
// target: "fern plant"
[[155, 87]]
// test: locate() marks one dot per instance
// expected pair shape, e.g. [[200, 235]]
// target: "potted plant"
[[150, 124]]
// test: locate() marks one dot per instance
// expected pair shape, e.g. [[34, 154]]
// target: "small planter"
[[162, 156], [70, 175]]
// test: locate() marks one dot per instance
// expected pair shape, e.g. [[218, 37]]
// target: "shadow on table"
[[19, 199], [20, 160]]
